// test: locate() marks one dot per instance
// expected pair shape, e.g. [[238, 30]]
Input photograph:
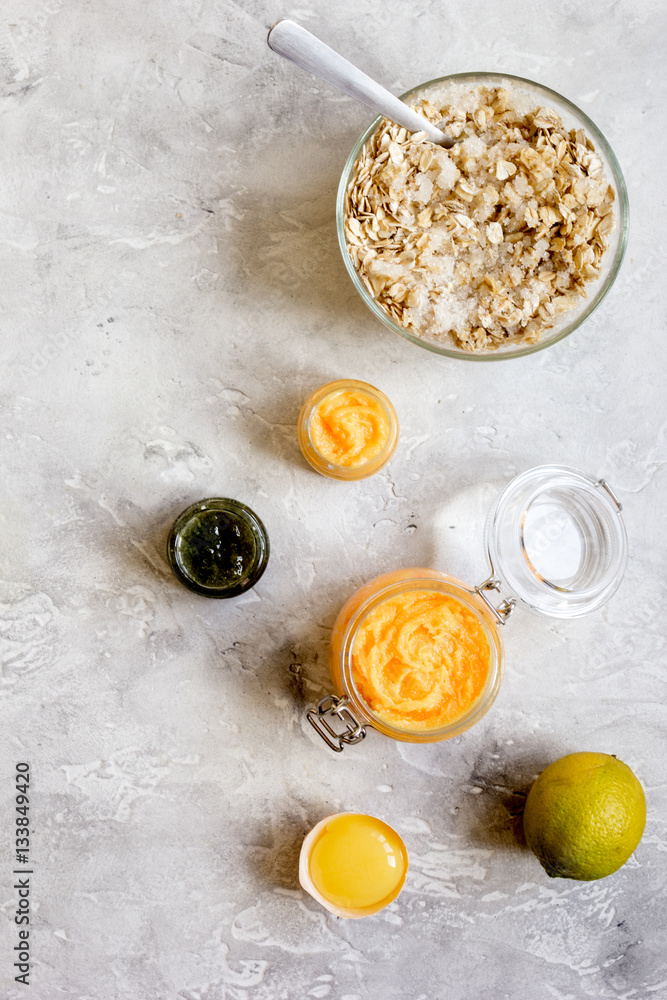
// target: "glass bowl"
[[572, 117]]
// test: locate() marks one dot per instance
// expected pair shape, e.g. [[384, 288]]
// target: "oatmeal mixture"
[[487, 242]]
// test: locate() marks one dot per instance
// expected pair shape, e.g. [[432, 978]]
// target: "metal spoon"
[[293, 42]]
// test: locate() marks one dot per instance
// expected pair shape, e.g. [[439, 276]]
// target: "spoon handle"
[[293, 42]]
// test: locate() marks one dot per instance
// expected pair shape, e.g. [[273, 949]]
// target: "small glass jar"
[[556, 542], [218, 548], [377, 412]]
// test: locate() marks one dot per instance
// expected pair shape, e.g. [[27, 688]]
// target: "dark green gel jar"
[[218, 548]]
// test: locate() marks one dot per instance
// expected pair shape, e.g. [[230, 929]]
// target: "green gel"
[[218, 548]]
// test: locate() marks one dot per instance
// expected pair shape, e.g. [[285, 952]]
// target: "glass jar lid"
[[557, 542]]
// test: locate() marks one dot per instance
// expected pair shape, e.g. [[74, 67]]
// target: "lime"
[[584, 816]]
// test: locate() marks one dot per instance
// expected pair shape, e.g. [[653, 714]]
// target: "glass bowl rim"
[[479, 76]]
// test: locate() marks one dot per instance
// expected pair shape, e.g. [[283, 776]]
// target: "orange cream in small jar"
[[347, 430]]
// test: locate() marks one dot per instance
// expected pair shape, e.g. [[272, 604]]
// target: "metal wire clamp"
[[330, 708], [505, 609]]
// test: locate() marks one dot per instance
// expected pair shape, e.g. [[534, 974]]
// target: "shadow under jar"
[[527, 94], [418, 655]]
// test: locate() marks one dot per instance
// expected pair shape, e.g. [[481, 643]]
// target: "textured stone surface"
[[172, 290]]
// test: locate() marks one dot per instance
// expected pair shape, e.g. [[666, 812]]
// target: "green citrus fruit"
[[584, 816]]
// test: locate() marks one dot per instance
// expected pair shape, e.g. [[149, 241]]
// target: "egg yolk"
[[349, 428], [358, 863], [420, 660]]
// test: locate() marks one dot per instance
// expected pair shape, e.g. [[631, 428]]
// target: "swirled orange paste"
[[349, 427], [420, 660]]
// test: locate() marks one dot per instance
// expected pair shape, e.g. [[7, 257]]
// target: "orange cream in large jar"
[[417, 655], [420, 660], [347, 429]]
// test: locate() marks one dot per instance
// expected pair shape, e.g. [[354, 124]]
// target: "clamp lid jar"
[[419, 656]]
